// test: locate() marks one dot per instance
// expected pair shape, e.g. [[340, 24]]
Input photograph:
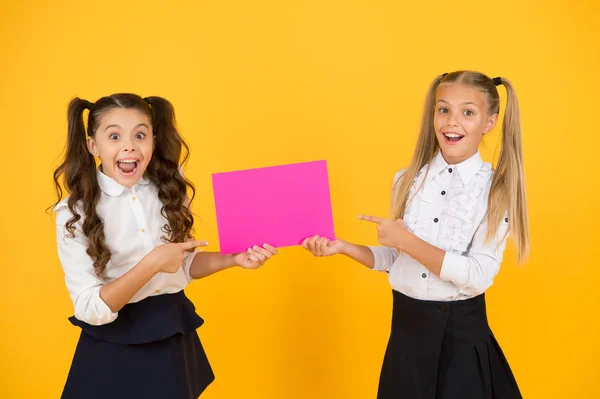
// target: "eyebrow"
[[465, 103], [141, 124]]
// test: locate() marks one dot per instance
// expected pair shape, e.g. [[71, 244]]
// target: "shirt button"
[[436, 220], [443, 193], [133, 198], [506, 220], [142, 231], [450, 170], [424, 275]]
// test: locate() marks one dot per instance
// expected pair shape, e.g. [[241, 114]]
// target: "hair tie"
[[497, 81], [88, 105]]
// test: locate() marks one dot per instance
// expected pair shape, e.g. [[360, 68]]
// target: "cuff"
[[455, 269], [91, 309], [384, 257], [187, 264]]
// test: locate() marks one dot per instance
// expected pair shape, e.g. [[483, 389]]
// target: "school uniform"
[[440, 345], [150, 348]]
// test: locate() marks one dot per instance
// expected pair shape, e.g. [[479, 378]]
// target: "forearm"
[[118, 292], [426, 254], [360, 253], [207, 263]]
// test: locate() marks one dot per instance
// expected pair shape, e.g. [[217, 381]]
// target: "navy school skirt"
[[150, 351], [444, 350]]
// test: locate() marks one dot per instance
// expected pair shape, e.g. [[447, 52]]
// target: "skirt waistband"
[[149, 320], [404, 302], [416, 317]]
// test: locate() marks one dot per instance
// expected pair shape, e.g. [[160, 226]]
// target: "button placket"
[[440, 203], [141, 219]]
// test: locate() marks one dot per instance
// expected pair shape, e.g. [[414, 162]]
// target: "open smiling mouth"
[[452, 138], [128, 167]]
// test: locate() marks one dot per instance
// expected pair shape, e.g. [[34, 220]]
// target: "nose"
[[451, 120], [128, 146]]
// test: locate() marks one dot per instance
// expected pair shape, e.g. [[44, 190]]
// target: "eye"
[[468, 112], [140, 135], [443, 110], [113, 136]]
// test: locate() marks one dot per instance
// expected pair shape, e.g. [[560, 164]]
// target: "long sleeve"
[[81, 280], [187, 264], [384, 257], [475, 271]]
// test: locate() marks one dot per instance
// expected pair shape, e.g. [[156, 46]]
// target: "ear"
[[92, 148], [490, 123]]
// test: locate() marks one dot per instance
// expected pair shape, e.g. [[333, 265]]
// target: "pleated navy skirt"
[[444, 350], [150, 351]]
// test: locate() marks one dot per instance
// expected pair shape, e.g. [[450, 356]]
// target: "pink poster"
[[278, 205]]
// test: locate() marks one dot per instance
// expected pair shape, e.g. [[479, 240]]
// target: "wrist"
[[230, 261], [406, 238], [344, 248], [148, 265]]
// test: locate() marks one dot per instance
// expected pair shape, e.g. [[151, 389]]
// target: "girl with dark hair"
[[125, 243]]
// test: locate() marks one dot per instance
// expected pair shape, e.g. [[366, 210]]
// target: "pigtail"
[[76, 150], [507, 192], [170, 154], [79, 178], [425, 150]]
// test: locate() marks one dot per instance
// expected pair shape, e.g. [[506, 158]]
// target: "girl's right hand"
[[323, 246], [167, 258]]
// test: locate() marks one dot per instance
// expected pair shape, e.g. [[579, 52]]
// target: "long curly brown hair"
[[78, 171]]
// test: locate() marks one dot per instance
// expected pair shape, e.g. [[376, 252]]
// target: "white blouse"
[[132, 228], [447, 212]]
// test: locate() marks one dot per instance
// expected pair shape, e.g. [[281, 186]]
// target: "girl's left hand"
[[255, 257], [391, 233]]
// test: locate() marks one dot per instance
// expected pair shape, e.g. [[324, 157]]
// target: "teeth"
[[127, 161], [453, 135]]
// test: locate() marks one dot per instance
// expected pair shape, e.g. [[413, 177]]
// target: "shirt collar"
[[437, 165], [467, 169], [110, 186]]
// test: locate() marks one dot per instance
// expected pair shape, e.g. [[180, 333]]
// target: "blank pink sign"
[[278, 205]]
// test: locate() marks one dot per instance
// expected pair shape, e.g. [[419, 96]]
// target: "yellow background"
[[264, 82]]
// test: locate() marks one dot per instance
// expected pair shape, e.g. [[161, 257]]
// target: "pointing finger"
[[372, 219], [193, 244]]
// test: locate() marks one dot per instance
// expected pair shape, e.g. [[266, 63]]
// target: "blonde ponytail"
[[508, 184]]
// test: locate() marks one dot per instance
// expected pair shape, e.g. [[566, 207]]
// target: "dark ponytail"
[[79, 170], [170, 152]]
